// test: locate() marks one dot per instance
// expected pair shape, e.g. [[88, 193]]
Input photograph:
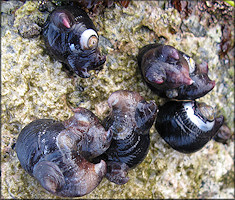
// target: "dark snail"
[[71, 37], [171, 73], [223, 135], [187, 126], [57, 153], [130, 120]]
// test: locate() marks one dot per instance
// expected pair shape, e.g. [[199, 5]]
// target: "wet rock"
[[33, 86], [28, 29], [193, 26]]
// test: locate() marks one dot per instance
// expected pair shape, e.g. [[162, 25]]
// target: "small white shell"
[[89, 39], [204, 126], [191, 63]]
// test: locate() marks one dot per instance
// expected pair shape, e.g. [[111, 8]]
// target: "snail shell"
[[172, 74], [57, 153], [187, 126], [71, 37], [223, 135], [130, 120]]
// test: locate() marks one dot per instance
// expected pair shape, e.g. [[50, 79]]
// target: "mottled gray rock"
[[34, 86]]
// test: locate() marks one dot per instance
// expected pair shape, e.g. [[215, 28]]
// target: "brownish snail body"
[[71, 37], [57, 153], [172, 74]]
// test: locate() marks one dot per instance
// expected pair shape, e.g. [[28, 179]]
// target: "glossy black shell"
[[177, 128], [132, 150], [38, 147], [57, 153], [170, 73], [132, 146], [130, 120], [59, 38]]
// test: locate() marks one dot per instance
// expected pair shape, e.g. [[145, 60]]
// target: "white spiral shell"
[[89, 39]]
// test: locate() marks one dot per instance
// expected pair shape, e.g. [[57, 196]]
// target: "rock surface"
[[36, 86]]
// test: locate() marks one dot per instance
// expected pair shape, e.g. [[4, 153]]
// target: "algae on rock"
[[35, 86]]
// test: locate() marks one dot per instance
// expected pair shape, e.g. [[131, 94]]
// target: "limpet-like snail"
[[172, 74], [71, 37], [187, 126], [57, 153]]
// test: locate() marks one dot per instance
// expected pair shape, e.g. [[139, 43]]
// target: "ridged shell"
[[187, 126], [130, 120]]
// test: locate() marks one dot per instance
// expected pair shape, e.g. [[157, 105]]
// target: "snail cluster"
[[70, 158], [186, 125]]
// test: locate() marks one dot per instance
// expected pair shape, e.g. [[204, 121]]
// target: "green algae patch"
[[35, 86], [30, 9]]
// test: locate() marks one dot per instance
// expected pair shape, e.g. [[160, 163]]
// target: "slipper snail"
[[130, 120]]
